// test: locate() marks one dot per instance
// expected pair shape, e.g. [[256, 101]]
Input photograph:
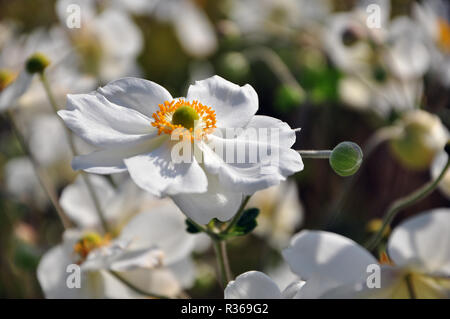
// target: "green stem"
[[135, 288], [404, 202], [325, 154], [410, 285], [276, 65], [42, 178], [222, 262], [72, 146]]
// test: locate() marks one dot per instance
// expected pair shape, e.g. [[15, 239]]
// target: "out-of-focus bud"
[[234, 66], [37, 63], [374, 226], [6, 78], [288, 97], [346, 158], [422, 136]]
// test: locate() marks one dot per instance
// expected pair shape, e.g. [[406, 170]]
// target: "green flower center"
[[185, 116]]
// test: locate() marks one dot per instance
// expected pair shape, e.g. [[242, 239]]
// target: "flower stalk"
[[42, 178], [403, 203], [323, 154], [72, 146]]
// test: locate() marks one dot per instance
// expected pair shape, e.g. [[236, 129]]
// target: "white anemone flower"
[[281, 213], [336, 267], [152, 252], [107, 43], [192, 26], [20, 88], [136, 124], [257, 285], [437, 166], [434, 19]]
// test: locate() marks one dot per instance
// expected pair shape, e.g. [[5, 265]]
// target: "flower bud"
[[37, 63], [287, 97], [422, 137], [346, 158]]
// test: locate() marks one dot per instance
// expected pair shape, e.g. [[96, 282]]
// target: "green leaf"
[[245, 224], [191, 228]]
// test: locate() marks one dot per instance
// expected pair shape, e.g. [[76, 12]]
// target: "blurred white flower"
[[191, 24], [24, 91], [152, 252], [257, 285], [434, 18], [281, 213], [22, 183], [107, 43], [131, 122], [336, 267], [262, 17], [436, 168]]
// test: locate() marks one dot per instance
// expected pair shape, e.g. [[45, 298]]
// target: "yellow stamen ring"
[[164, 121]]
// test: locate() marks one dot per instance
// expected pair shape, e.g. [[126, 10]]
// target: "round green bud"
[[346, 158], [234, 66], [37, 63], [422, 136], [185, 116], [288, 97]]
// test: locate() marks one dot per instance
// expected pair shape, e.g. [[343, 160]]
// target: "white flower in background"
[[191, 24], [434, 18], [22, 183], [384, 67], [436, 168], [281, 213], [48, 141], [336, 267], [107, 43], [269, 16], [152, 251], [257, 285], [20, 89], [131, 121]]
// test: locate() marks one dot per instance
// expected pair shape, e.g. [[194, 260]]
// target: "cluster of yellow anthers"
[[88, 243], [163, 119]]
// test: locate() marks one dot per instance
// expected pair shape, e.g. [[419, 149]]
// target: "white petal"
[[156, 173], [12, 92], [111, 161], [252, 285], [234, 105], [185, 272], [215, 203], [436, 168], [134, 259], [293, 289], [247, 165], [327, 254], [142, 95], [118, 34], [194, 30], [164, 228], [78, 204], [423, 241], [104, 124], [52, 275]]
